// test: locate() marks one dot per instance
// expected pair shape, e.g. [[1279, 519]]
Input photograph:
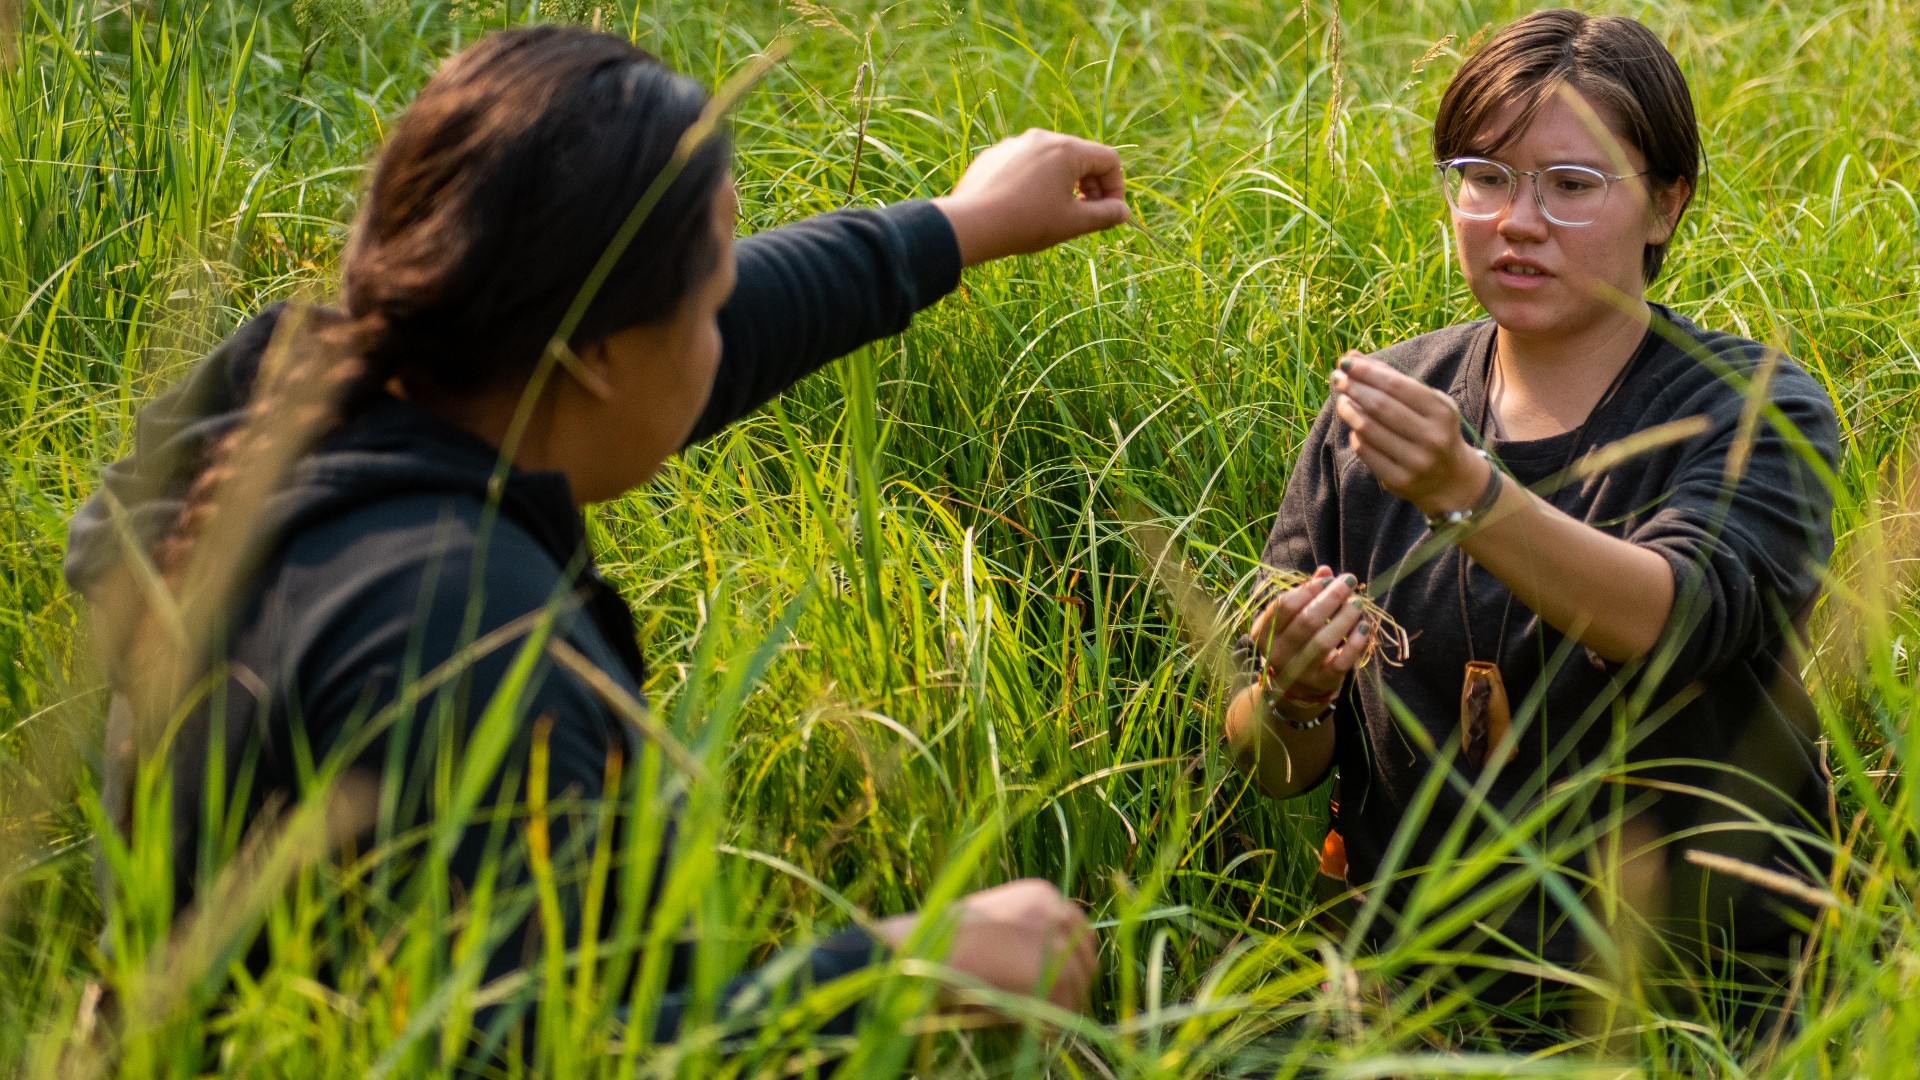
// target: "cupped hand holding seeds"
[[1408, 434], [1313, 634]]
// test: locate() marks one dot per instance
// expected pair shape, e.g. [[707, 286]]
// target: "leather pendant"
[[1484, 718]]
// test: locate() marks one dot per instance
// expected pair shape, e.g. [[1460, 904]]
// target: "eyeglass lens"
[[1568, 194]]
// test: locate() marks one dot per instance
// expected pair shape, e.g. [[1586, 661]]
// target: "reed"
[[903, 638]]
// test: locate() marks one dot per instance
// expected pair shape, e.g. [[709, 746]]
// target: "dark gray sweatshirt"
[[1722, 688], [388, 560]]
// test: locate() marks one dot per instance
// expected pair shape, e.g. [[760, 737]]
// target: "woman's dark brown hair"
[[500, 192], [1615, 63], [495, 195], [502, 185]]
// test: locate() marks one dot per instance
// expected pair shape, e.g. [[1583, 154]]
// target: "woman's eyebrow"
[[1595, 164], [1550, 160]]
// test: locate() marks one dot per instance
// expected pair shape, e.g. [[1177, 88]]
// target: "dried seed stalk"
[[1390, 640]]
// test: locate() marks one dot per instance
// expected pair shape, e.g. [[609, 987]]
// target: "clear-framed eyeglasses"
[[1480, 188]]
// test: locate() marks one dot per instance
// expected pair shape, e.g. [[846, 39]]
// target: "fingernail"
[[1357, 601], [1346, 363], [1349, 580]]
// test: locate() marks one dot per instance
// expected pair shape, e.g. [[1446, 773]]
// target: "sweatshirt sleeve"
[[818, 289], [1746, 549], [782, 979], [1306, 530]]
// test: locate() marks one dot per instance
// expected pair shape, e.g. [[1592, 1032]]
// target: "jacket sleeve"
[[1306, 530], [1746, 549], [780, 980], [818, 289]]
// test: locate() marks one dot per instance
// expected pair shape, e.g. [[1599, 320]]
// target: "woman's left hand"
[[1408, 433]]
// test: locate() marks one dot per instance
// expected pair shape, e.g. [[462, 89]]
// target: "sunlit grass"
[[899, 622]]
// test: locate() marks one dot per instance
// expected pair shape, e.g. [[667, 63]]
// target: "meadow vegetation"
[[899, 622]]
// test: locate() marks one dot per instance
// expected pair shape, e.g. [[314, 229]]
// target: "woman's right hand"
[[1033, 191], [1312, 635], [1014, 937]]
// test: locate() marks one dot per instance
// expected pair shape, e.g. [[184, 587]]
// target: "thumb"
[[1093, 215]]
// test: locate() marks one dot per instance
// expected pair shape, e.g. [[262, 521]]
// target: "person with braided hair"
[[340, 499]]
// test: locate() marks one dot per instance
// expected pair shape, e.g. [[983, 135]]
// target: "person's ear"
[[1669, 201], [593, 370]]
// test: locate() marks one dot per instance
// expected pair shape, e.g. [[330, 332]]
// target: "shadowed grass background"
[[975, 646]]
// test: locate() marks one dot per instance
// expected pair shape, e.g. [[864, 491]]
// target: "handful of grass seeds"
[[1389, 640], [1210, 624]]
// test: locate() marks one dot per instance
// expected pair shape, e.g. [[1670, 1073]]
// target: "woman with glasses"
[[1602, 528]]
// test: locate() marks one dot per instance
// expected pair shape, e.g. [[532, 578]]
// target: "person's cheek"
[[1477, 242], [1624, 243], [703, 363], [1464, 244], [1600, 264], [710, 355]]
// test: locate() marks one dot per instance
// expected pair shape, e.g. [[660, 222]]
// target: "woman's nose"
[[1523, 219]]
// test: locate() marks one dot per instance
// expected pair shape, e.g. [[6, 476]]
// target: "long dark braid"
[[326, 376]]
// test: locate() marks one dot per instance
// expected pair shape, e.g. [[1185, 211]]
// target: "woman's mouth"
[[1520, 274]]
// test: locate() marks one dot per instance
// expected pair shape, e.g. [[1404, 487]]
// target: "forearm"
[[818, 289], [776, 984], [1611, 595], [1281, 760]]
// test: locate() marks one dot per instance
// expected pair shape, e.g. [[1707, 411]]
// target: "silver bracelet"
[[1456, 519]]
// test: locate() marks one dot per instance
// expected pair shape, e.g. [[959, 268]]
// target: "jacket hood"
[[387, 449]]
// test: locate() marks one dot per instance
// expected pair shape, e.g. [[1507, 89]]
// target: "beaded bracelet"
[[1325, 700], [1305, 725]]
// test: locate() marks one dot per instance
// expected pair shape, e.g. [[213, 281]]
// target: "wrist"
[[1299, 696], [1297, 705], [1298, 715], [1472, 492], [970, 230], [893, 930]]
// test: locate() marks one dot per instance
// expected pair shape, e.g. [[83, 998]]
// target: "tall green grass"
[[898, 621]]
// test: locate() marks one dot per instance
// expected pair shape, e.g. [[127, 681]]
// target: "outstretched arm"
[[818, 289]]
